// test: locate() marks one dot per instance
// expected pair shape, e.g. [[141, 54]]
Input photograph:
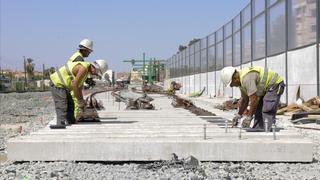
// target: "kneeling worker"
[[66, 88], [261, 89]]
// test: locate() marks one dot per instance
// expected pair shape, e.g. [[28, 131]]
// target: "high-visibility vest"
[[77, 56], [62, 77], [267, 78]]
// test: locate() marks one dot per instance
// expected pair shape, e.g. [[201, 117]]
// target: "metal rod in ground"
[[119, 101], [43, 86], [240, 129], [274, 131], [266, 125], [204, 131], [226, 126]]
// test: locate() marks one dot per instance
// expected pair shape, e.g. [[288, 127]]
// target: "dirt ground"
[[22, 113]]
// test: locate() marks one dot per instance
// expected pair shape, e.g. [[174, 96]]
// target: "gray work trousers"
[[268, 106], [64, 105]]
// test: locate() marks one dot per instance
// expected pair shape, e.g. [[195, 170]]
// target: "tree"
[[48, 72], [30, 69]]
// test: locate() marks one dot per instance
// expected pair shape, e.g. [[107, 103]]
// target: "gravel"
[[32, 111], [22, 113]]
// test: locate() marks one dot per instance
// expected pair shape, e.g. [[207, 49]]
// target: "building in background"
[[124, 76]]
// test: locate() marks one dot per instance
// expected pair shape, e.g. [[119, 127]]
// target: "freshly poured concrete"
[[150, 135]]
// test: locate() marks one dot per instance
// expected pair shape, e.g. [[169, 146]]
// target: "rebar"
[[240, 129], [226, 125], [274, 131], [266, 125]]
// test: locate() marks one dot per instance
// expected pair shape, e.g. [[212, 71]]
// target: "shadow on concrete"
[[106, 122], [217, 121], [211, 117]]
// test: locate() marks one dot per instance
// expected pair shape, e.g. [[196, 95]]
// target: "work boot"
[[60, 125]]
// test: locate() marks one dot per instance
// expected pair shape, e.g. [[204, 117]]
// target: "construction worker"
[[261, 89], [66, 88], [84, 50]]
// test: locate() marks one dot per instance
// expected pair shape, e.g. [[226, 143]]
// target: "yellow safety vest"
[[62, 77], [77, 56], [267, 78]]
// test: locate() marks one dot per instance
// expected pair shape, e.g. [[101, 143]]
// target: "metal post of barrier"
[[266, 125], [119, 101], [274, 131], [226, 126], [240, 129]]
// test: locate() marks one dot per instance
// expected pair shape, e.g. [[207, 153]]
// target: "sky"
[[49, 31]]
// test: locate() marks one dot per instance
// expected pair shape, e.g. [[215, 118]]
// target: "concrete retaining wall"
[[203, 84], [302, 70], [197, 82], [211, 84]]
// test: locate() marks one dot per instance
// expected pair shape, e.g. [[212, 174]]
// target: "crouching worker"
[[261, 89], [66, 88]]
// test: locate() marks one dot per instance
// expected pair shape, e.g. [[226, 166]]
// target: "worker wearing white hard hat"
[[84, 50], [261, 89], [66, 88]]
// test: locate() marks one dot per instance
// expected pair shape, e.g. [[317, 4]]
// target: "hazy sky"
[[49, 30]]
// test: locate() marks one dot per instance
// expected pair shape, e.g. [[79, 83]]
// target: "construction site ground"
[[29, 113]]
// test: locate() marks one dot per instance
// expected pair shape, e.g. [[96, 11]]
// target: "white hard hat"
[[86, 43], [226, 75], [101, 66]]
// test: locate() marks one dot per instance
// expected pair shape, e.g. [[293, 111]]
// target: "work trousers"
[[64, 105], [268, 106]]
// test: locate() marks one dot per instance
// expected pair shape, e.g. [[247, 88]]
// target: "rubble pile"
[[179, 102], [152, 89], [228, 105], [312, 105], [134, 101]]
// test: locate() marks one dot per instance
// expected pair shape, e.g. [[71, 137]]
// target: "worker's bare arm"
[[79, 72], [243, 104]]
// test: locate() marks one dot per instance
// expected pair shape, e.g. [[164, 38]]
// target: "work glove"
[[235, 120], [91, 83], [246, 122]]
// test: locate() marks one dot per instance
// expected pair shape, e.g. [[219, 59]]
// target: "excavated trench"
[[179, 102]]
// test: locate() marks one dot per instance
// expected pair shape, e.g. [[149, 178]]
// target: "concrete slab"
[[155, 135]]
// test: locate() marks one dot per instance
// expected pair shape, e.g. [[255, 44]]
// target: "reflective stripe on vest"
[[267, 78], [69, 72], [274, 79], [262, 81], [62, 77]]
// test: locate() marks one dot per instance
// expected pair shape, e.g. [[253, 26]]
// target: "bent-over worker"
[[261, 89], [66, 88]]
